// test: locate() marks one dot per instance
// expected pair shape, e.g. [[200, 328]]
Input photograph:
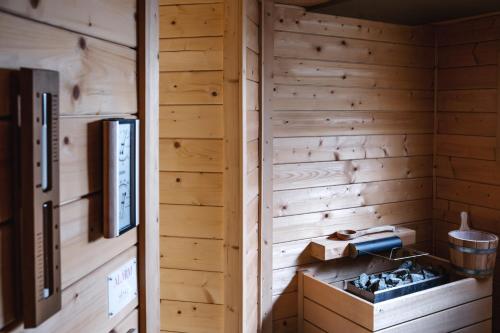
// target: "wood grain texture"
[[148, 231], [192, 317], [188, 121], [99, 77], [189, 188], [110, 20], [293, 176], [83, 248], [191, 254], [353, 137], [316, 199], [191, 155], [191, 88], [340, 98], [326, 123], [295, 19], [315, 47], [191, 221], [317, 149], [352, 75], [86, 299], [192, 286], [191, 20], [467, 100], [191, 54]]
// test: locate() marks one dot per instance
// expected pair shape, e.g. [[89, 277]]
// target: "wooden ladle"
[[352, 234]]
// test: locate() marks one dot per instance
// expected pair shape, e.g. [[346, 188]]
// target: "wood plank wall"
[[93, 46], [252, 152], [353, 124], [191, 166], [467, 160]]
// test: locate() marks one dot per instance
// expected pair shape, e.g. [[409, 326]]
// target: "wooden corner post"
[[233, 100], [266, 217], [148, 100]]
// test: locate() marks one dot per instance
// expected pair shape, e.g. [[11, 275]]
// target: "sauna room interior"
[[218, 166]]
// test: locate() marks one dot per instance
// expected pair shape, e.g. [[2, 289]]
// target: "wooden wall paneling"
[[468, 31], [192, 254], [266, 213], [303, 175], [182, 88], [83, 248], [340, 74], [317, 199], [192, 317], [467, 138], [191, 54], [191, 20], [251, 170], [335, 98], [189, 188], [295, 19], [353, 118], [349, 147], [191, 155], [113, 21], [130, 323], [99, 77], [98, 80], [324, 123], [316, 47], [87, 299], [191, 221], [191, 131], [191, 121], [234, 163], [192, 286]]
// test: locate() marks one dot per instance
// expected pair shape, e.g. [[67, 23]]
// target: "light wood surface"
[[92, 45], [467, 136], [267, 147], [330, 307], [113, 21], [327, 249], [352, 132], [191, 160], [100, 77], [148, 98], [130, 323], [234, 196]]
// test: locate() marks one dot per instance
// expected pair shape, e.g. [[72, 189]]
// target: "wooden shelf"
[[327, 249]]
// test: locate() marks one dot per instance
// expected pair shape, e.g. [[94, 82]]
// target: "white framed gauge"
[[120, 176]]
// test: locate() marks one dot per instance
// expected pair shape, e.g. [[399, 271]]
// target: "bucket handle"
[[464, 225]]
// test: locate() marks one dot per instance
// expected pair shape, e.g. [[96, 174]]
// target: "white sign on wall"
[[122, 287]]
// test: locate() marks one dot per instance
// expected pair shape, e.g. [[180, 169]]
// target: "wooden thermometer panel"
[[38, 121]]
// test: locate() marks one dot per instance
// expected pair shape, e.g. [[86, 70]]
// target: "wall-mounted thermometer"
[[120, 175], [38, 210]]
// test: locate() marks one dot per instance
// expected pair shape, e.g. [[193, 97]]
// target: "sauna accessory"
[[37, 196], [472, 252], [408, 278], [120, 176]]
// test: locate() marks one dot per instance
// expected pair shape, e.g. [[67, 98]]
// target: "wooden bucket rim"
[[459, 234]]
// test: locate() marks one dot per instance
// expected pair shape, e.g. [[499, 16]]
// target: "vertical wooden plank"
[[233, 159], [498, 111], [149, 231], [300, 300], [266, 230]]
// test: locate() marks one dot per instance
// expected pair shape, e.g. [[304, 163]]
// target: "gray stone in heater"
[[416, 277]]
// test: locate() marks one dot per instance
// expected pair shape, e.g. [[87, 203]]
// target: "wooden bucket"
[[472, 252]]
